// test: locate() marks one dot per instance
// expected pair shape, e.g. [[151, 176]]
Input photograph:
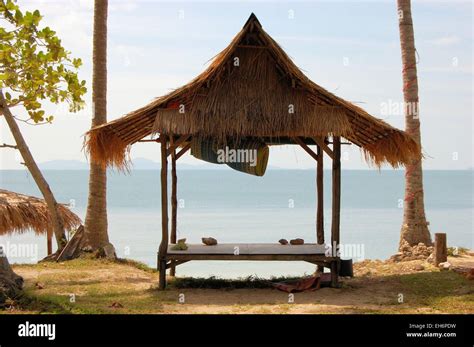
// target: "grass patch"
[[88, 263], [136, 264], [125, 286], [29, 302], [250, 282], [446, 291], [434, 283]]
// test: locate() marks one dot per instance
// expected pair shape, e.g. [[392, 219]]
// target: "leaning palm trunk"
[[415, 227], [96, 236], [53, 207]]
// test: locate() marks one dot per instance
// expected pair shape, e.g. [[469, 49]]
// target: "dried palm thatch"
[[252, 89], [20, 213]]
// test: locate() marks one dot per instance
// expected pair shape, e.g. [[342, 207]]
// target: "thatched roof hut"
[[252, 89], [20, 213]]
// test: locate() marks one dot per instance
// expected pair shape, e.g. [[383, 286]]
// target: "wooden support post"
[[150, 140], [334, 275], [174, 201], [320, 192], [175, 144], [321, 143], [440, 249], [306, 148], [336, 191], [336, 196], [164, 213], [183, 150], [320, 201]]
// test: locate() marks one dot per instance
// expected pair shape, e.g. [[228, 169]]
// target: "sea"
[[238, 208]]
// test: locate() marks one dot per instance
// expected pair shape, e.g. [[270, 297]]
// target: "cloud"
[[122, 6], [333, 40], [128, 54], [72, 20], [445, 41], [448, 69]]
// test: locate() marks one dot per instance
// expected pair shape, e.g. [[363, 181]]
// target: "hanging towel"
[[249, 156], [204, 149]]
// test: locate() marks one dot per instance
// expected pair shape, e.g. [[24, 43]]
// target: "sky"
[[350, 48]]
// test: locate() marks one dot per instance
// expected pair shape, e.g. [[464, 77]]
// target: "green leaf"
[[77, 62], [19, 17], [34, 71], [11, 6]]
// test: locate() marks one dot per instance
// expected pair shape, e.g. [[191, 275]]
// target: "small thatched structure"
[[20, 213], [248, 90], [251, 91]]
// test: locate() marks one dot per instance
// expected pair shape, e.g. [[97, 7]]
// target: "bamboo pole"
[[164, 214], [183, 150], [306, 148], [321, 143], [336, 191], [320, 192], [320, 201], [174, 200], [175, 144], [336, 205]]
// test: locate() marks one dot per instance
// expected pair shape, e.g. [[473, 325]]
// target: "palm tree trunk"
[[415, 227], [53, 207], [10, 283], [95, 226]]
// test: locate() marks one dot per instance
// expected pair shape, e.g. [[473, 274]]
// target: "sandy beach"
[[106, 287]]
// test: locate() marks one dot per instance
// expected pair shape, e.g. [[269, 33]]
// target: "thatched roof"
[[20, 213], [249, 90]]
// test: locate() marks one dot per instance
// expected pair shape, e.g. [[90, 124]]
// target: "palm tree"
[[10, 283], [95, 226], [32, 166], [415, 227]]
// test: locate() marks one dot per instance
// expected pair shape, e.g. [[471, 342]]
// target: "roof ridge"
[[253, 19]]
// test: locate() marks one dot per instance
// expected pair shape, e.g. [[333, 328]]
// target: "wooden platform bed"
[[311, 253]]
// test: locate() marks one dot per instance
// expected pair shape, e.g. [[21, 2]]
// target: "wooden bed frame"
[[175, 146], [311, 253]]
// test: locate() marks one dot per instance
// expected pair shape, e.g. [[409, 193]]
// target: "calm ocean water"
[[234, 207]]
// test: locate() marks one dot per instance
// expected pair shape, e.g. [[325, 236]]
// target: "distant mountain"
[[144, 164], [147, 164], [64, 165], [137, 164]]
